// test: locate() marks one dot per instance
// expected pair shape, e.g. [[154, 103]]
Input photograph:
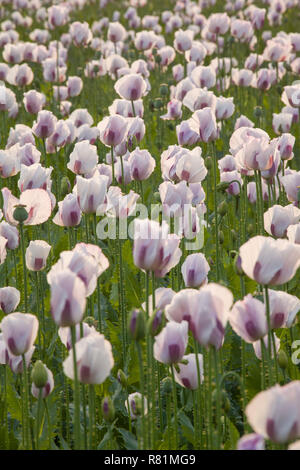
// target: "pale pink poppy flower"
[[116, 32], [74, 85], [122, 171], [224, 107], [218, 23], [197, 53], [28, 154], [293, 111], [282, 122], [141, 164], [294, 446], [84, 158], [174, 197], [3, 252], [263, 79], [4, 69], [145, 40], [242, 77], [234, 179], [191, 167], [16, 362], [194, 270], [277, 49], [9, 299], [295, 65], [85, 132], [34, 176], [13, 53], [69, 212], [198, 98], [9, 162], [91, 192], [167, 55], [112, 130], [163, 297], [186, 135], [60, 93], [251, 441], [20, 75], [178, 72], [253, 62], [265, 339], [291, 95], [45, 124], [204, 123], [37, 202], [57, 16], [173, 110], [91, 351], [182, 88], [52, 73], [204, 76], [291, 184], [283, 308], [243, 121], [187, 374], [131, 87], [119, 205], [293, 233], [64, 333], [241, 30], [34, 101], [68, 298], [248, 319], [124, 108], [170, 344], [243, 135], [114, 62], [11, 234], [19, 332], [278, 218], [268, 261], [135, 131], [80, 117], [227, 163], [154, 249], [275, 413], [36, 255], [20, 134], [183, 40], [80, 33]]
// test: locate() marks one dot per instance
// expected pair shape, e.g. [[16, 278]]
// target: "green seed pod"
[[282, 359], [108, 409], [158, 103], [91, 321], [258, 112], [20, 213], [65, 186], [223, 208], [136, 325], [122, 379], [39, 375], [163, 89], [158, 59], [156, 196]]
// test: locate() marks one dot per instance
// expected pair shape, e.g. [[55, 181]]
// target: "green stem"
[[39, 406], [24, 266], [175, 407], [76, 392]]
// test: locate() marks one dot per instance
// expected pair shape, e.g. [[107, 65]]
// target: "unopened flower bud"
[[155, 323], [250, 229], [238, 265], [166, 385], [39, 374], [136, 325], [163, 89], [223, 208], [65, 186], [157, 103], [223, 186], [282, 359], [108, 409], [122, 379], [258, 111]]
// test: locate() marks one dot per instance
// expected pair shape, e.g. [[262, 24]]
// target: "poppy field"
[[149, 225]]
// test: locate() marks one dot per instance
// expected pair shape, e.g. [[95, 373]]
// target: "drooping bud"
[[122, 379], [155, 323], [282, 359]]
